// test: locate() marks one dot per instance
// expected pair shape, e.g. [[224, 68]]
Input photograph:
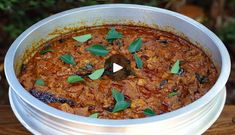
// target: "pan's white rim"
[[210, 117]]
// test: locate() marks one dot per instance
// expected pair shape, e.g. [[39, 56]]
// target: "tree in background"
[[17, 15]]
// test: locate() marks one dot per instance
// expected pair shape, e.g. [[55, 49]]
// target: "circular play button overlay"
[[117, 67]]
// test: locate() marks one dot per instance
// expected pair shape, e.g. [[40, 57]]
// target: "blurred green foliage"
[[231, 2], [20, 14], [227, 32], [17, 15]]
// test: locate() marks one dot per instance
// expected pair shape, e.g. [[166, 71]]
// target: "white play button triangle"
[[116, 67]]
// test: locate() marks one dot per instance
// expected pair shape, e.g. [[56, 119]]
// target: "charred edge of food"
[[127, 98], [107, 72], [61, 40], [133, 73], [109, 109], [65, 100], [163, 41], [174, 90], [46, 46], [101, 42], [84, 72], [201, 78], [129, 72], [90, 108], [162, 83], [89, 66], [181, 72], [47, 97], [108, 69], [23, 68]]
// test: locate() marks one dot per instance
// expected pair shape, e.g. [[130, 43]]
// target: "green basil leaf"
[[74, 79], [67, 58], [176, 67], [94, 115], [40, 82], [83, 38], [98, 50], [135, 46], [138, 61], [172, 94], [122, 105], [149, 112], [46, 51], [97, 74], [113, 35], [118, 96]]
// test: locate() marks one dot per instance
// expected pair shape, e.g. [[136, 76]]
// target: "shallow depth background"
[[18, 15]]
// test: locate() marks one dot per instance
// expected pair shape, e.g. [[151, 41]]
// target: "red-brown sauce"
[[153, 86]]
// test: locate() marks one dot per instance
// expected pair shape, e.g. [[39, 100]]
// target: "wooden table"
[[225, 125]]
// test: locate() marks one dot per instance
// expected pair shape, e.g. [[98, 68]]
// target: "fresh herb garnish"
[[118, 96], [74, 79], [176, 67], [201, 78], [67, 58], [40, 82], [46, 51], [138, 61], [96, 74], [121, 104], [135, 46], [98, 50], [83, 38], [94, 115], [149, 112], [113, 35], [172, 94]]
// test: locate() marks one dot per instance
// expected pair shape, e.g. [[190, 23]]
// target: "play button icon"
[[117, 67]]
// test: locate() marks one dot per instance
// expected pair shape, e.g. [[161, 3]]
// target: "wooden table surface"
[[225, 125]]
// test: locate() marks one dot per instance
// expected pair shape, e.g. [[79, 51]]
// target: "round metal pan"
[[194, 118]]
